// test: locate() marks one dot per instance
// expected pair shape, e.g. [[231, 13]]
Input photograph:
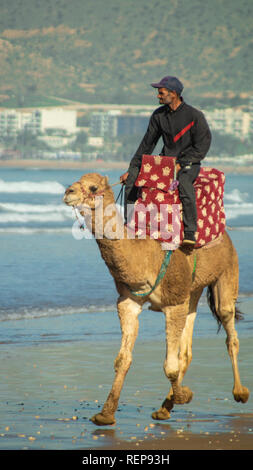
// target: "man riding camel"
[[186, 136]]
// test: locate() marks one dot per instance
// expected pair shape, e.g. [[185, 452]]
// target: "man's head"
[[169, 90], [171, 83]]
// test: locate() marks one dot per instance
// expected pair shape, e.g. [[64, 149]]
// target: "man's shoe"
[[189, 239]]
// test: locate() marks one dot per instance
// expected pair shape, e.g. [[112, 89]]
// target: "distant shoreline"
[[69, 164], [61, 164]]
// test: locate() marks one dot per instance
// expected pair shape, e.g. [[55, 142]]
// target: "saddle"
[[158, 209]]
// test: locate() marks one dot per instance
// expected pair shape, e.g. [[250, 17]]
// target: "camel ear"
[[105, 181]]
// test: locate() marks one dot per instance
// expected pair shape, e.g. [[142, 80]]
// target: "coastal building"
[[30, 121], [57, 141], [132, 124], [251, 114], [230, 121], [97, 142], [115, 124], [104, 124], [58, 118], [38, 121], [9, 123]]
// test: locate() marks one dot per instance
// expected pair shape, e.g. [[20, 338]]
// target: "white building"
[[104, 124], [229, 121], [9, 123], [30, 121], [57, 141], [251, 113], [96, 142], [58, 118], [37, 121]]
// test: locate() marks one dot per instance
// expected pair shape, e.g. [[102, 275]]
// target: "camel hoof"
[[161, 414], [185, 396], [101, 420], [242, 396]]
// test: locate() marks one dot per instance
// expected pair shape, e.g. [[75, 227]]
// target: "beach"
[[60, 334], [96, 165], [62, 164], [54, 380]]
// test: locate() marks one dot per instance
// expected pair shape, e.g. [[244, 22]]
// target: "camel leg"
[[225, 307], [128, 312], [185, 357], [176, 318]]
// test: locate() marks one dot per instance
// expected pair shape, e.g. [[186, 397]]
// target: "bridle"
[[92, 195]]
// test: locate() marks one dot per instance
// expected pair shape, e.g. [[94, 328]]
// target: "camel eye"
[[93, 189]]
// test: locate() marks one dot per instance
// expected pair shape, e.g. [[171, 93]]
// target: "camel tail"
[[211, 303]]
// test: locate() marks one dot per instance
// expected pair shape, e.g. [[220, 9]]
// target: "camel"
[[134, 265]]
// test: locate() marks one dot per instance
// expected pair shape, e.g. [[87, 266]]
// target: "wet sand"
[[188, 441], [53, 382]]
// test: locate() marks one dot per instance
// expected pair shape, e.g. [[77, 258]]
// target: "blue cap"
[[171, 83]]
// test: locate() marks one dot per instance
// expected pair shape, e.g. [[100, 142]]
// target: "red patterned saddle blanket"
[[158, 210]]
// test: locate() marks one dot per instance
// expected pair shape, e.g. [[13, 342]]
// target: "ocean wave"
[[242, 228], [24, 208], [36, 312], [16, 217], [237, 204], [46, 187], [30, 313], [245, 295], [25, 213], [236, 196], [233, 211], [34, 230]]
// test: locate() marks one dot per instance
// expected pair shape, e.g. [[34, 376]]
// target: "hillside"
[[108, 51]]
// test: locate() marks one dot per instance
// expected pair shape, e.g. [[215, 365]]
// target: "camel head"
[[84, 193]]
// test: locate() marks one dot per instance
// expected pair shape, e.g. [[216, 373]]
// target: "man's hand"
[[124, 177], [178, 167]]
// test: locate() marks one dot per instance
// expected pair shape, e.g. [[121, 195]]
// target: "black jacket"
[[185, 134]]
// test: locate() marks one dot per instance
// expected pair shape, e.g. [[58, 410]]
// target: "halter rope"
[[91, 195], [162, 272], [160, 275]]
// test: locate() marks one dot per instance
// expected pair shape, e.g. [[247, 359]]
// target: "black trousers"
[[186, 178]]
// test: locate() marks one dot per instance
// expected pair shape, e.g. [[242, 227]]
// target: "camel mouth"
[[71, 202]]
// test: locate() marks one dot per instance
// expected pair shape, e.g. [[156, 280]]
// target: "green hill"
[[109, 51]]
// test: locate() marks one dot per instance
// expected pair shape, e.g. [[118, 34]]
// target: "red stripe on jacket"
[[183, 131]]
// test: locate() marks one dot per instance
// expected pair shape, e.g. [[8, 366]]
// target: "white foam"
[[34, 208], [243, 228], [32, 231], [24, 213], [236, 204], [47, 187], [16, 217], [33, 313], [233, 211], [236, 196]]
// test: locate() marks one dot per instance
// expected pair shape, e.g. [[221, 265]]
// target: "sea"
[[58, 315]]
